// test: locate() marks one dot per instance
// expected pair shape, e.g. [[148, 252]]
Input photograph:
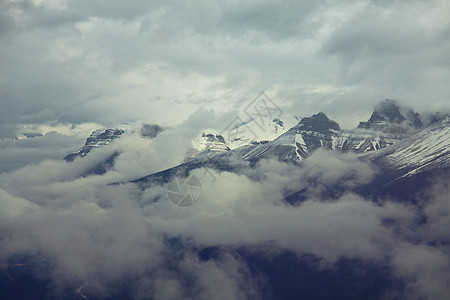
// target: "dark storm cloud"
[[111, 61]]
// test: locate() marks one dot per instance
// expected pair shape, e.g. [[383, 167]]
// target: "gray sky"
[[73, 62]]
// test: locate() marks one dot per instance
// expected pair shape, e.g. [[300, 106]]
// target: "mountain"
[[393, 140], [104, 137], [101, 138], [386, 127], [308, 135], [390, 126], [209, 141], [97, 139], [389, 116], [426, 150], [237, 134], [407, 165], [242, 133], [408, 168]]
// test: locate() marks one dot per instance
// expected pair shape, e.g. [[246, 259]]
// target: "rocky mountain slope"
[[426, 150], [97, 139], [104, 137]]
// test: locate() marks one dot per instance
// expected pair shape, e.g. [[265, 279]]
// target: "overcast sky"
[[71, 63]]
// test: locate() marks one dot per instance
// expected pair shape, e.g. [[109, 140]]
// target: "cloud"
[[425, 269], [95, 234], [376, 47], [19, 153], [159, 62]]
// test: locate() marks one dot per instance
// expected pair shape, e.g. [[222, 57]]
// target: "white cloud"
[[159, 62], [95, 233]]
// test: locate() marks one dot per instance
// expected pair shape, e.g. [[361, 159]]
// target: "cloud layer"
[[109, 62], [96, 235]]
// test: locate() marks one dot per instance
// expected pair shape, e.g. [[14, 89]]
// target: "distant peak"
[[320, 116], [387, 104], [278, 122], [387, 110], [388, 113], [150, 130], [319, 123]]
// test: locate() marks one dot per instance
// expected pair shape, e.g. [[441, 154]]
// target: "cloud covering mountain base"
[[98, 236]]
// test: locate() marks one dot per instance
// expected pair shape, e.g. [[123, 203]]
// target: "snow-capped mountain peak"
[[318, 123], [103, 137], [98, 138], [428, 149], [208, 141], [238, 134], [389, 117]]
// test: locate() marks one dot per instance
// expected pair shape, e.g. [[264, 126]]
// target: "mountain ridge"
[[388, 125]]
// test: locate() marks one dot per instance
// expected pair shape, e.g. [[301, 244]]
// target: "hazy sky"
[[105, 62]]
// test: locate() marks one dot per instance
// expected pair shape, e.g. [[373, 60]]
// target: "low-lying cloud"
[[96, 235]]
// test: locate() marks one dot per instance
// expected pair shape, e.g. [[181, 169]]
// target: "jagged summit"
[[414, 119], [98, 138], [277, 125], [387, 111], [389, 117], [209, 141], [104, 137], [318, 123]]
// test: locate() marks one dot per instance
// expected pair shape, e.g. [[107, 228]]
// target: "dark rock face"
[[103, 138], [316, 131], [150, 130], [361, 143], [318, 123], [277, 122], [414, 119], [80, 153], [436, 117], [98, 139], [389, 117], [103, 166], [387, 111], [30, 135], [210, 137]]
